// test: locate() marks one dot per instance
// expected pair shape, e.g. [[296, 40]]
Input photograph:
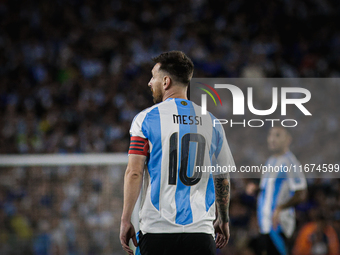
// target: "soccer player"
[[175, 141], [279, 192]]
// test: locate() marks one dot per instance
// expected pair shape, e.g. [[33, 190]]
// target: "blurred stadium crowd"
[[60, 210], [74, 73]]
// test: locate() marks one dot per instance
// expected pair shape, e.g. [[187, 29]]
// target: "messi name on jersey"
[[187, 119]]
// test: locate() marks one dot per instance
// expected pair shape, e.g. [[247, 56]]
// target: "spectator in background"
[[317, 238], [42, 242]]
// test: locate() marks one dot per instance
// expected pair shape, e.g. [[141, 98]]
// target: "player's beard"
[[157, 96], [276, 149]]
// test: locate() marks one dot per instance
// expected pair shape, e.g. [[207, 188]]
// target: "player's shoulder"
[[215, 122], [161, 104], [290, 158], [198, 109], [142, 114], [210, 119], [147, 110]]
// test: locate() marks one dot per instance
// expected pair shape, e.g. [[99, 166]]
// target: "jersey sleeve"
[[139, 143], [296, 180], [137, 124]]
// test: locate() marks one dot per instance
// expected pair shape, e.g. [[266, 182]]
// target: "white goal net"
[[61, 204]]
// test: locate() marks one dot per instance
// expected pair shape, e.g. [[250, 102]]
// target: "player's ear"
[[166, 82]]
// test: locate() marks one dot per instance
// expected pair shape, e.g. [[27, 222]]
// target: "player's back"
[[179, 191]]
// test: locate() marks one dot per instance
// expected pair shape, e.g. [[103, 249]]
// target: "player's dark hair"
[[177, 64], [277, 125]]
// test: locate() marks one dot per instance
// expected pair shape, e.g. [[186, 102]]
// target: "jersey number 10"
[[184, 150]]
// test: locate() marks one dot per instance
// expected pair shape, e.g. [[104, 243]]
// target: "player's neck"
[[280, 153], [175, 94]]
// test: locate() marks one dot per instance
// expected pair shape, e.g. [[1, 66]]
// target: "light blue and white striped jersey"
[[276, 189], [175, 198]]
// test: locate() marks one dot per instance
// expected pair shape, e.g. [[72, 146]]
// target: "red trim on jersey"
[[139, 145]]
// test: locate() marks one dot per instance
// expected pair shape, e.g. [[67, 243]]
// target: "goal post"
[[73, 200], [99, 159]]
